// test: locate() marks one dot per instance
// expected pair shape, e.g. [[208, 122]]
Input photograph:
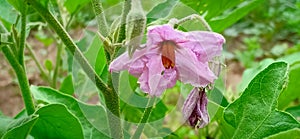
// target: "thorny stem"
[[111, 99], [22, 78]]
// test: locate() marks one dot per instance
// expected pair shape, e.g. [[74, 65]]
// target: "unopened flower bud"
[[135, 26], [195, 108]]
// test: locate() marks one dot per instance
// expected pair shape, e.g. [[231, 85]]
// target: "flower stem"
[[144, 119], [22, 78]]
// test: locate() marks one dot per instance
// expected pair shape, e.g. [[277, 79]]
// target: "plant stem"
[[33, 56], [22, 78], [111, 99], [57, 63], [102, 24], [122, 32], [144, 119], [22, 35]]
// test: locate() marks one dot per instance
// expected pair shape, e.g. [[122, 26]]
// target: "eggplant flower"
[[172, 55], [195, 108]]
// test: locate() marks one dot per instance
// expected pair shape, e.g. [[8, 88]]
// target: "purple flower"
[[194, 108], [172, 55]]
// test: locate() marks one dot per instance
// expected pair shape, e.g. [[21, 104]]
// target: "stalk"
[[22, 78]]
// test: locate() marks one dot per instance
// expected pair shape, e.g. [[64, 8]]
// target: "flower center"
[[168, 54]]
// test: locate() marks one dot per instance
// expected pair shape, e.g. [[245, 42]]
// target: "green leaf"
[[93, 48], [18, 4], [48, 64], [289, 134], [56, 121], [100, 60], [216, 96], [8, 15], [161, 10], [4, 124], [295, 111], [221, 14], [75, 5], [292, 91], [249, 74], [20, 128], [255, 112], [222, 22], [291, 59], [82, 111], [67, 85]]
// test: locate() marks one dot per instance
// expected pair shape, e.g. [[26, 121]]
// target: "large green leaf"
[[8, 15], [161, 10], [292, 91], [85, 113], [255, 112], [56, 121], [221, 14], [4, 124], [19, 128], [74, 5]]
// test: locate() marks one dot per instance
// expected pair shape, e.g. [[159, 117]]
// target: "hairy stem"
[[102, 24], [144, 119], [122, 32], [22, 78]]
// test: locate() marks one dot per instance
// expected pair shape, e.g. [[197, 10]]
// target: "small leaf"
[[100, 60], [20, 128], [67, 85], [48, 64], [161, 10], [91, 128], [254, 112], [55, 121]]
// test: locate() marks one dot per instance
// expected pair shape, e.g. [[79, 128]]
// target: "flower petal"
[[190, 103], [160, 33], [205, 45], [191, 70], [156, 79], [201, 110]]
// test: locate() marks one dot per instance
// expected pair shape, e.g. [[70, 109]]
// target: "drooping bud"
[[135, 26], [195, 108]]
